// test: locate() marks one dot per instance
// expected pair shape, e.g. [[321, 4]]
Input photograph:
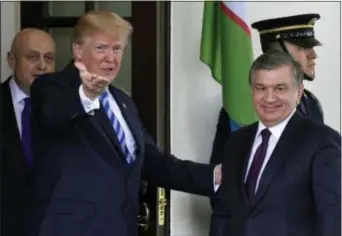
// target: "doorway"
[[145, 75]]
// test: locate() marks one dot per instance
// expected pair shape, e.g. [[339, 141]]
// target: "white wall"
[[195, 102], [196, 98], [10, 25]]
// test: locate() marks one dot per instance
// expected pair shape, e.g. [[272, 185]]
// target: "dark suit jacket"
[[83, 186], [309, 106], [14, 170], [299, 192]]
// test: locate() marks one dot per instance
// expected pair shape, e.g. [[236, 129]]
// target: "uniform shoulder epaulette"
[[311, 95]]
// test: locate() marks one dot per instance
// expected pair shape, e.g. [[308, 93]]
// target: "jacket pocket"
[[67, 218]]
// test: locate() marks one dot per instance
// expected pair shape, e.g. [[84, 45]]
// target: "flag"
[[226, 47]]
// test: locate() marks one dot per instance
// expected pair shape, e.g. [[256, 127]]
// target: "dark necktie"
[[256, 165], [26, 131]]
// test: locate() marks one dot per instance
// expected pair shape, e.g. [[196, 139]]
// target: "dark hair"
[[274, 59]]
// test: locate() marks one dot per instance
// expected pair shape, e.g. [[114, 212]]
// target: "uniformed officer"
[[292, 34], [295, 35]]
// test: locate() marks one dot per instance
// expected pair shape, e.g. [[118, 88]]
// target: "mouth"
[[311, 70], [108, 70], [36, 75], [270, 109]]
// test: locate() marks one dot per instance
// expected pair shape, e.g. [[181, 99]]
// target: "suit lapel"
[[249, 140], [108, 129], [284, 148], [103, 123], [130, 119], [100, 122], [11, 127]]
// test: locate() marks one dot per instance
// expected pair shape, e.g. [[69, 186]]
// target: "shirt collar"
[[277, 129], [17, 94]]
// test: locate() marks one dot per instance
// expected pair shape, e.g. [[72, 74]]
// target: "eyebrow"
[[276, 85], [37, 52], [281, 84], [108, 44], [32, 51], [49, 53], [100, 42]]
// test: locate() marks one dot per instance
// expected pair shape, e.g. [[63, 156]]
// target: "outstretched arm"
[[165, 170]]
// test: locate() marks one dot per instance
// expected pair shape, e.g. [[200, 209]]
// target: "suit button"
[[125, 211]]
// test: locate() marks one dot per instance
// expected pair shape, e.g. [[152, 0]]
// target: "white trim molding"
[[10, 25]]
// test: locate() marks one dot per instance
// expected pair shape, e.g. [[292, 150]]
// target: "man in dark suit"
[[294, 35], [94, 150], [280, 176], [32, 53]]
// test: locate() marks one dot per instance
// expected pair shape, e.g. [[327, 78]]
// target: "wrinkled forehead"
[[36, 43]]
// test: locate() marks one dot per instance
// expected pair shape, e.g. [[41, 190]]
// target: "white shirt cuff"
[[88, 105], [216, 186]]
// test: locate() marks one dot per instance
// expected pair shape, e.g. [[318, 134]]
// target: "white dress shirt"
[[18, 102], [90, 105], [276, 132]]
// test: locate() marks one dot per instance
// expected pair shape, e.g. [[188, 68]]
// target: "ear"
[[300, 91], [77, 51], [11, 60]]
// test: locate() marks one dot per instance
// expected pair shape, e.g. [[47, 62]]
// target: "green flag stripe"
[[227, 49]]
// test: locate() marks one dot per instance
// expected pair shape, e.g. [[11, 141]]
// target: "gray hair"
[[274, 59], [270, 46]]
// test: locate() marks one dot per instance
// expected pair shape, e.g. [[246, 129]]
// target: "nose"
[[312, 53], [42, 65], [110, 56], [269, 96]]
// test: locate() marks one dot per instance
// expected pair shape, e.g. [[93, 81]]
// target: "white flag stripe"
[[239, 9]]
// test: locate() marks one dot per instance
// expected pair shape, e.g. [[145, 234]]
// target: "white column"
[[10, 25]]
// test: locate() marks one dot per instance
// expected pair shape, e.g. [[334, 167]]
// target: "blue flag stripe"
[[233, 125]]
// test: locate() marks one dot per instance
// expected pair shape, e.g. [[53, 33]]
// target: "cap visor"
[[305, 42]]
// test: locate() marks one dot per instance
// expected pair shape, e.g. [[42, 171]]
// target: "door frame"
[[158, 31]]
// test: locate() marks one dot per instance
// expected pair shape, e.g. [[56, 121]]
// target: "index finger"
[[80, 66]]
